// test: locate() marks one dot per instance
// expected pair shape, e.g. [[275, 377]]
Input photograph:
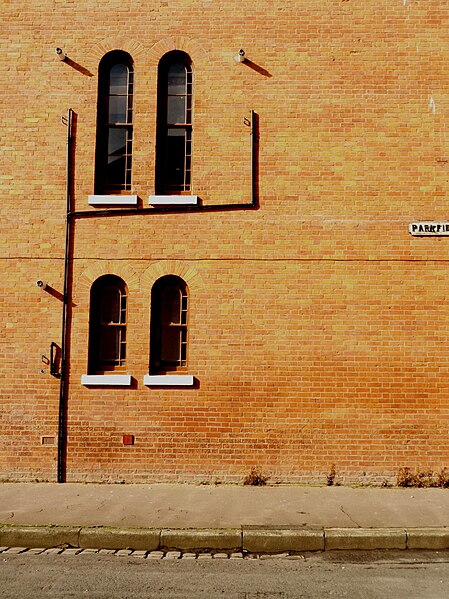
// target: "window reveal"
[[169, 317], [174, 132], [115, 124], [107, 343]]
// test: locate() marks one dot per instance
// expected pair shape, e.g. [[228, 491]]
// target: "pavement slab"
[[151, 517], [221, 506]]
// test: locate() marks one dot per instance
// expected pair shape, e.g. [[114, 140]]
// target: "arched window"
[[169, 318], [107, 335], [174, 124], [114, 124]]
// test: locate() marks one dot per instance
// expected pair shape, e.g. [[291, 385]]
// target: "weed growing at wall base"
[[255, 478], [422, 478]]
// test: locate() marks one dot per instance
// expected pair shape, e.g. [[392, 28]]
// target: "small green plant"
[[255, 478], [330, 478]]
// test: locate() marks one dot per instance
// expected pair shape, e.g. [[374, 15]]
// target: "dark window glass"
[[119, 80], [107, 337], [114, 124], [169, 315], [174, 131]]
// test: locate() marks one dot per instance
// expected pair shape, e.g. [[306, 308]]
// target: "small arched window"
[[108, 315], [174, 124], [114, 124], [169, 319]]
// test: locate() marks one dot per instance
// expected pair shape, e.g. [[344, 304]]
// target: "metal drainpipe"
[[63, 377], [253, 160], [253, 203], [69, 215]]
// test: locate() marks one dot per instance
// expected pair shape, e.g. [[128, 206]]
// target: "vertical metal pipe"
[[253, 158], [63, 379]]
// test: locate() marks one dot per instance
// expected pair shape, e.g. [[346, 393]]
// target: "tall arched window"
[[107, 334], [174, 124], [114, 124], [169, 319]]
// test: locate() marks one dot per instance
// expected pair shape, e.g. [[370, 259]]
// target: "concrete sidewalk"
[[224, 517]]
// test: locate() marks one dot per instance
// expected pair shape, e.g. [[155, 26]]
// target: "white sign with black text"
[[429, 228]]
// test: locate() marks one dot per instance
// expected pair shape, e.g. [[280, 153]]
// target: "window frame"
[[163, 333], [104, 183], [167, 130], [100, 331]]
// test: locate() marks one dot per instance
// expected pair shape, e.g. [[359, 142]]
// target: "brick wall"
[[318, 325]]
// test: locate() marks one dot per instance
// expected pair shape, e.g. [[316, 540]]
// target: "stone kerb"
[[272, 540], [204, 539], [251, 539], [367, 539]]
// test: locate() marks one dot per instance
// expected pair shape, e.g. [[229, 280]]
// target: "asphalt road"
[[335, 574]]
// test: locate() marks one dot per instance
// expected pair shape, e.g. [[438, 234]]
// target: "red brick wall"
[[318, 325]]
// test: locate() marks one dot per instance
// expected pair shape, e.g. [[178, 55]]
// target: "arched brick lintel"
[[184, 270], [196, 52], [133, 47], [110, 267], [152, 55]]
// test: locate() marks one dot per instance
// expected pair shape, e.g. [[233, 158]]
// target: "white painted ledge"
[[172, 200], [168, 380], [111, 380], [112, 200]]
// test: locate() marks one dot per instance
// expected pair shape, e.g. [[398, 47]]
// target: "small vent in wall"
[[47, 440]]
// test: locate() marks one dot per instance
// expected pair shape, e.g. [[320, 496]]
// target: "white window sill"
[[110, 380], [112, 200], [172, 200], [168, 380]]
